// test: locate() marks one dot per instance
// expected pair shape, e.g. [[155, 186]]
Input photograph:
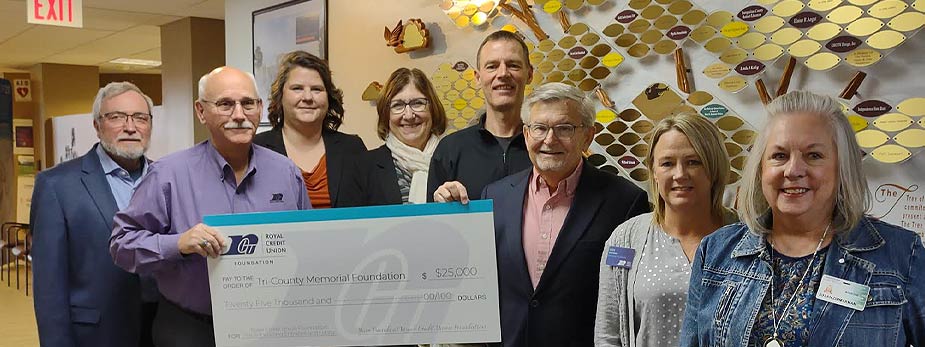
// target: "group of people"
[[581, 259]]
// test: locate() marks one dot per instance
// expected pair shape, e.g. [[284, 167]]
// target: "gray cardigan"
[[614, 323]]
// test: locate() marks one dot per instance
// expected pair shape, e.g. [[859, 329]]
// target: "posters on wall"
[[25, 181], [280, 29], [22, 90], [23, 137]]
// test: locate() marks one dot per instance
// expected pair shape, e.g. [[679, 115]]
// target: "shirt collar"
[[567, 185], [110, 166], [221, 163]]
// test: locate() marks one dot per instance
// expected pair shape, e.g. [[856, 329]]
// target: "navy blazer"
[[345, 157], [81, 297], [561, 311]]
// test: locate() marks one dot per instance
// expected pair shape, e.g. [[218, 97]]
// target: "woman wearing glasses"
[[411, 121], [641, 299], [306, 109]]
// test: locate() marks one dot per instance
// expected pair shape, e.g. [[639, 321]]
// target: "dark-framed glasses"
[[562, 131], [226, 106], [119, 117], [416, 105]]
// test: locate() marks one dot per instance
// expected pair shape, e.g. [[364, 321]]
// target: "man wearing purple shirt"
[[161, 232]]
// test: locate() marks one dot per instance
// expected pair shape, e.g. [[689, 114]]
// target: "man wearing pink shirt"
[[551, 222]]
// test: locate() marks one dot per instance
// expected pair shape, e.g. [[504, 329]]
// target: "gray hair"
[[114, 89], [852, 199], [204, 80], [556, 91]]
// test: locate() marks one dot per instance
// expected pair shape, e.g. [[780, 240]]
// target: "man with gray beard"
[[161, 231], [81, 297]]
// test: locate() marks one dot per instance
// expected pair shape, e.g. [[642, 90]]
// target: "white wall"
[[358, 55], [356, 50]]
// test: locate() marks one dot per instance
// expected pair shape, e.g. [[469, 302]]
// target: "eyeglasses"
[[562, 131], [417, 105], [122, 117], [226, 106]]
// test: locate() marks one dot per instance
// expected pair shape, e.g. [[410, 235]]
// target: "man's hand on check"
[[451, 191], [203, 240]]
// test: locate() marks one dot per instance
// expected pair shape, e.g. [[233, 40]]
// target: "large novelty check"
[[363, 276]]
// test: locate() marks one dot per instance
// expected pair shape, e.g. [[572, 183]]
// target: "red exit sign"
[[68, 13]]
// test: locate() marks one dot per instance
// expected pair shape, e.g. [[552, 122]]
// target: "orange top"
[[316, 182]]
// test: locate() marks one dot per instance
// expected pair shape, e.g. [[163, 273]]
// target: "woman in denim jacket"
[[807, 267], [640, 301]]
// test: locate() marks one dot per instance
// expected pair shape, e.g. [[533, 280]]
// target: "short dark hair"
[[335, 116], [504, 35], [397, 81]]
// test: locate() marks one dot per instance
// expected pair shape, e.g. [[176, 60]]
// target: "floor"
[[17, 317]]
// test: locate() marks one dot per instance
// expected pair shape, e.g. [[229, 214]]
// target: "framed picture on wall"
[[283, 28]]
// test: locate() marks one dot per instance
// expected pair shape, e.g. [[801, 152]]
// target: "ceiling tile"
[[112, 29], [53, 40], [12, 19], [208, 9], [103, 19], [151, 54], [118, 45]]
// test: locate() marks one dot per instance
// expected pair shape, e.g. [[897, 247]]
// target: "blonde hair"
[[852, 199], [707, 141]]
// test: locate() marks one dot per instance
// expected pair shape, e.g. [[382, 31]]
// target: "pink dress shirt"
[[544, 215]]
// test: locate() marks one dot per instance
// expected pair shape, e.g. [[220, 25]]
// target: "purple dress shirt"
[[177, 192]]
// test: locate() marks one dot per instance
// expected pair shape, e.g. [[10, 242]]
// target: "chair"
[[7, 242], [22, 251]]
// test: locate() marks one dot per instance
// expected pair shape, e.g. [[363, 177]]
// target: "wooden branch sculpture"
[[852, 88], [409, 37], [681, 71], [525, 14]]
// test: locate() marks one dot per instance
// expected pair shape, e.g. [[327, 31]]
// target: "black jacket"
[[346, 160], [474, 157], [383, 182], [560, 312]]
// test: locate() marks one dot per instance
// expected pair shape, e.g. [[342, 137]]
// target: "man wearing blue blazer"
[[81, 297], [551, 222]]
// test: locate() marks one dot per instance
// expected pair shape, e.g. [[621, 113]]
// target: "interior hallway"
[[17, 316]]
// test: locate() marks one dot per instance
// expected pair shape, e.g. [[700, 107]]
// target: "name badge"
[[843, 293], [620, 257]]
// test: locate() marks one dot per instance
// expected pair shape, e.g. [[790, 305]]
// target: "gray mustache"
[[246, 124]]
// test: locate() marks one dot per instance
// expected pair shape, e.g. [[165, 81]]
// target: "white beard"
[[133, 153]]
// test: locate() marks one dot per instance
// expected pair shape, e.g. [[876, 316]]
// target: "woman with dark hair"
[[411, 121], [306, 109]]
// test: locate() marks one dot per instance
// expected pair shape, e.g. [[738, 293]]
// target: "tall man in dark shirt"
[[468, 160]]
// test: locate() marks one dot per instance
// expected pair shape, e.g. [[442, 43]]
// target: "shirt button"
[[541, 267], [547, 208], [534, 303], [544, 236]]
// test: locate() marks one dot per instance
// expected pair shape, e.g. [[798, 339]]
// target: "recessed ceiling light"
[[128, 61]]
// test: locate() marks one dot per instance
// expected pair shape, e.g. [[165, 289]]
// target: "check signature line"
[[385, 298], [328, 284], [422, 331], [343, 304]]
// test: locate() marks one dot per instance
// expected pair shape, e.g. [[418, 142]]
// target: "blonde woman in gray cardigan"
[[645, 267]]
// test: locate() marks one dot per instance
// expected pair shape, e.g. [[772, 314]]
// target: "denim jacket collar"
[[864, 237]]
